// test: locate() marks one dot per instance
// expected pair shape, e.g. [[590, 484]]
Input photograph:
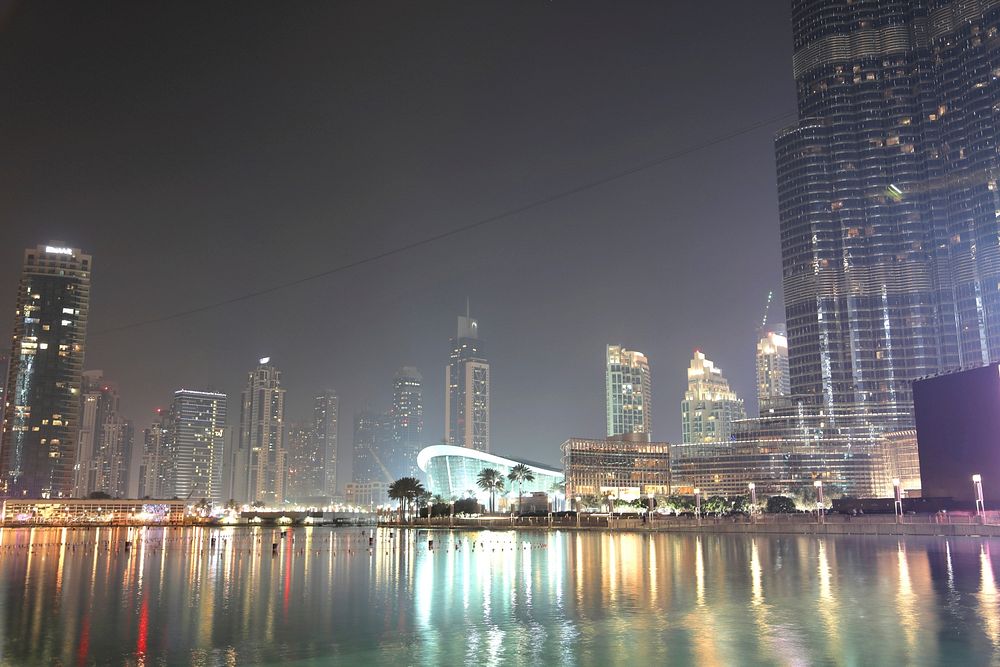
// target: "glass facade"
[[467, 380], [625, 467], [41, 412], [452, 473], [262, 432], [888, 200], [709, 406], [407, 415], [629, 392]]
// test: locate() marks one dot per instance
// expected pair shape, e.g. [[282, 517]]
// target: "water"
[[77, 597]]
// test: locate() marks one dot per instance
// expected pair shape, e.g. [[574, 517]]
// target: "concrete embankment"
[[723, 526]]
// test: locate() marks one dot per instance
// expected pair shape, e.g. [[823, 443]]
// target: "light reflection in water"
[[78, 596]]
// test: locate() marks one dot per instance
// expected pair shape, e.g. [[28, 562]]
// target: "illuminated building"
[[709, 406], [467, 390], [772, 370], [40, 428], [452, 472], [628, 389], [157, 461], [77, 512], [888, 200], [785, 451], [326, 410], [407, 415], [104, 446], [626, 467], [367, 494], [197, 440], [902, 461], [301, 477], [262, 449]]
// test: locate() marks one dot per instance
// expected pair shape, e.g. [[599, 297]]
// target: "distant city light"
[[58, 251]]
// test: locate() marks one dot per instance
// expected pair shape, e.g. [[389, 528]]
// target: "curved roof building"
[[452, 471]]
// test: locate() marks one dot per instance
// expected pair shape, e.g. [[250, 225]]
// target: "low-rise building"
[[67, 512], [626, 466]]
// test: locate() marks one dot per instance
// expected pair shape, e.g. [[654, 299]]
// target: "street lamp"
[[578, 511], [898, 505], [819, 500], [977, 483], [753, 499], [697, 504]]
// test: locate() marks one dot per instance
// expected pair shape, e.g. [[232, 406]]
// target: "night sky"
[[201, 151]]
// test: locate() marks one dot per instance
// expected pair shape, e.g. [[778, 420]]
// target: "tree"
[[406, 490], [607, 500], [520, 474], [717, 505], [780, 505], [468, 506], [491, 481]]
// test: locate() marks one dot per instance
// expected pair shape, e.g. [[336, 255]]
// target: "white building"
[[709, 406], [772, 369], [467, 390], [629, 392], [261, 453]]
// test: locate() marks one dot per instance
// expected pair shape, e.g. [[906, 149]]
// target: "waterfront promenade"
[[797, 524]]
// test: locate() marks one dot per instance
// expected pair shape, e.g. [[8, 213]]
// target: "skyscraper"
[[368, 465], [325, 414], [407, 413], [888, 198], [157, 460], [467, 389], [104, 446], [628, 389], [38, 445], [300, 474], [197, 440], [709, 406], [262, 431], [772, 369]]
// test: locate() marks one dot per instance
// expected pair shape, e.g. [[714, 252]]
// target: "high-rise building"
[[407, 414], [772, 370], [888, 197], [197, 442], [326, 409], [369, 435], [262, 433], [709, 406], [300, 479], [104, 445], [467, 389], [38, 444], [157, 460], [629, 389]]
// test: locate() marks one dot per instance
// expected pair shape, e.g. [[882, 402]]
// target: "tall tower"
[[467, 389], [368, 465], [325, 413], [407, 415], [709, 406], [262, 434], [41, 426], [157, 459], [104, 445], [772, 369], [197, 440], [629, 392], [888, 199]]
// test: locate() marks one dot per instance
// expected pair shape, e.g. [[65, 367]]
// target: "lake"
[[226, 596]]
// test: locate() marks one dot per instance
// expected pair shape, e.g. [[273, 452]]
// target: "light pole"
[[451, 521], [578, 511], [819, 500], [697, 505], [898, 505], [753, 500], [977, 484]]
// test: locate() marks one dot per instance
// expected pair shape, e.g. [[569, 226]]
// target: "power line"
[[457, 230]]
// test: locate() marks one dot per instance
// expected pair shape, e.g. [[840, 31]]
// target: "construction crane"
[[767, 309]]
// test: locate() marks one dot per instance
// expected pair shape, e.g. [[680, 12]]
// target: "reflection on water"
[[238, 596]]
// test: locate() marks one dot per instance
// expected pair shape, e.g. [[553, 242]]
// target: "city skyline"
[[254, 230]]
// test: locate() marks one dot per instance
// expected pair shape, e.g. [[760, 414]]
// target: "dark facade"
[[326, 410], [958, 433], [41, 417], [888, 197], [407, 415], [368, 435]]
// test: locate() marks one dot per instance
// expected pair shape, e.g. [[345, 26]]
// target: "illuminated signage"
[[58, 251], [264, 360]]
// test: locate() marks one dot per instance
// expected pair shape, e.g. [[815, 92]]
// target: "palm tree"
[[405, 490], [520, 474], [607, 499], [491, 481]]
